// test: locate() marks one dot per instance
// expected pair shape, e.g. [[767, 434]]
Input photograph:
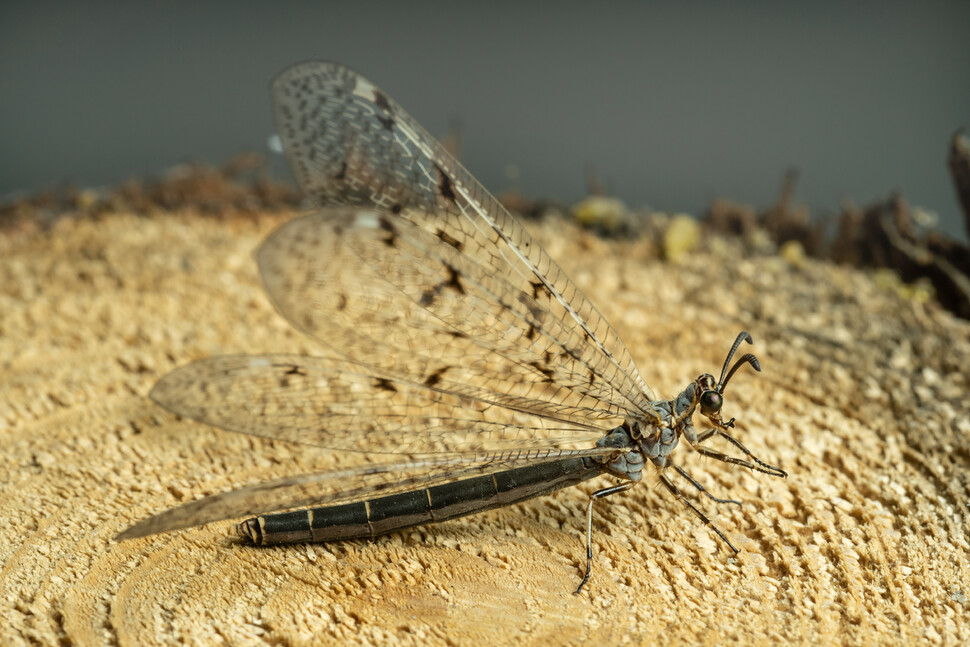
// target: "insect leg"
[[599, 494], [677, 493], [754, 464], [701, 488]]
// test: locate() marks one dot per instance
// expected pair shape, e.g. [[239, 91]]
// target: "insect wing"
[[325, 402], [304, 490], [435, 232]]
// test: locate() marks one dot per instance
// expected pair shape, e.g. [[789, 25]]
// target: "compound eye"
[[711, 402]]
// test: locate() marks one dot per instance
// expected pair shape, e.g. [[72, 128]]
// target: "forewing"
[[441, 232], [387, 294]]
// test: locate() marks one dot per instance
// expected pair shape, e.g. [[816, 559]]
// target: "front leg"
[[754, 464]]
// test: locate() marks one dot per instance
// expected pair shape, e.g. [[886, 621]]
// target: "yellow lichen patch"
[[920, 290], [680, 237], [600, 211], [793, 252]]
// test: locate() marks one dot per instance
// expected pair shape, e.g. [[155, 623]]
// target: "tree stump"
[[862, 400]]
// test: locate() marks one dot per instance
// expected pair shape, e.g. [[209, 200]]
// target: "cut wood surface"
[[863, 400]]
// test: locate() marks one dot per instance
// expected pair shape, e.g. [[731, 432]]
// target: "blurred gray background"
[[672, 103]]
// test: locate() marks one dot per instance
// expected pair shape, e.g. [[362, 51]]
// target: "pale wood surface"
[[863, 399]]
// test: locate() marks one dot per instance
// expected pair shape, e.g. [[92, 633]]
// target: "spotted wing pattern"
[[455, 339], [437, 236]]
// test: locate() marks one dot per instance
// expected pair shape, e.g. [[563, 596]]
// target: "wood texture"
[[863, 399]]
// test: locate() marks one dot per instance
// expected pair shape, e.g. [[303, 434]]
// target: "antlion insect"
[[463, 347]]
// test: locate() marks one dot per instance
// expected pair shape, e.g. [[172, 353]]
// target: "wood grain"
[[863, 400]]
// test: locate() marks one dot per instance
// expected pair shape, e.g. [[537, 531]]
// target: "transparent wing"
[[465, 346], [432, 239], [325, 402], [339, 486], [387, 294]]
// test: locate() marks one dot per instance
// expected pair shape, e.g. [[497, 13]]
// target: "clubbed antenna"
[[746, 358]]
